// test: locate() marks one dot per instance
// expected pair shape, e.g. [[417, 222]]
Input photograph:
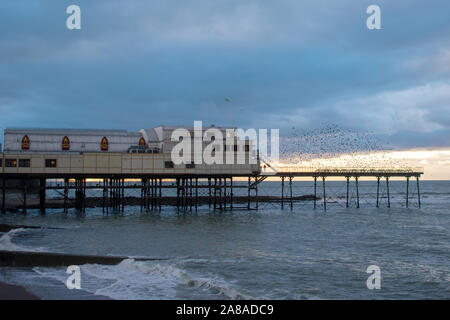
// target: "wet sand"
[[12, 292]]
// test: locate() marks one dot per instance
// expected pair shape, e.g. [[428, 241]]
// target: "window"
[[65, 143], [168, 165], [25, 143], [190, 165], [235, 148], [247, 148], [142, 142], [104, 145], [50, 163], [24, 163], [11, 163], [1, 163]]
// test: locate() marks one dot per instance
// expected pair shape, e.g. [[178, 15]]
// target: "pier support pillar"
[[122, 198], [290, 192], [315, 191], [209, 192], [160, 193], [407, 192], [215, 193], [196, 194], [191, 198], [179, 194], [42, 194], [418, 192], [24, 210], [378, 190], [256, 193], [231, 194], [324, 195], [66, 194], [388, 194], [282, 192], [248, 193], [348, 187], [3, 195], [357, 191], [84, 195]]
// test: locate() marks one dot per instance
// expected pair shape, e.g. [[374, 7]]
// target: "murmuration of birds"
[[336, 147]]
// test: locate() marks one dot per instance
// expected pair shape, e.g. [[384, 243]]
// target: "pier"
[[187, 192], [112, 169]]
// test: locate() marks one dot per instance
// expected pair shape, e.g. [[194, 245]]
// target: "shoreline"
[[15, 292]]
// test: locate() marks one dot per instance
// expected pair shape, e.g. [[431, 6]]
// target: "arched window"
[[65, 143], [142, 142], [104, 144], [25, 143]]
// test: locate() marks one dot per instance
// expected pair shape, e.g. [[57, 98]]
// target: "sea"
[[297, 252]]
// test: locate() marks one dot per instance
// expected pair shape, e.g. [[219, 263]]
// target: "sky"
[[247, 63]]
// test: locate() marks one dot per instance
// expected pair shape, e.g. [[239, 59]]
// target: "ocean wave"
[[7, 244], [132, 279]]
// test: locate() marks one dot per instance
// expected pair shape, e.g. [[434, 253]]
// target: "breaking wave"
[[7, 244], [147, 280]]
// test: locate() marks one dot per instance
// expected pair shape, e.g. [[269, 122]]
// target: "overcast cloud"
[[246, 63]]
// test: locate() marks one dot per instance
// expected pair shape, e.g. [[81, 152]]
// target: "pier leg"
[[152, 194], [248, 192], [66, 193], [147, 195], [215, 194], [225, 193], [282, 192], [290, 193], [196, 194], [315, 191], [160, 194], [378, 189], [24, 196], [324, 195], [191, 202], [142, 194], [3, 195], [418, 192], [104, 196], [209, 192], [107, 194], [84, 195], [256, 194], [407, 191], [42, 192], [348, 186], [232, 194], [388, 195], [178, 194], [357, 192], [122, 199], [182, 193]]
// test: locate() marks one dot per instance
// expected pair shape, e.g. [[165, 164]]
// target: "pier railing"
[[342, 171]]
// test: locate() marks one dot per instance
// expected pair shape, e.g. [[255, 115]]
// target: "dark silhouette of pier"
[[188, 192]]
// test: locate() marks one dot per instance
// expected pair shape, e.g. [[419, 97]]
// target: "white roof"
[[62, 131]]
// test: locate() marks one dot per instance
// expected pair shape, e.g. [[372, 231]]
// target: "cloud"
[[284, 64]]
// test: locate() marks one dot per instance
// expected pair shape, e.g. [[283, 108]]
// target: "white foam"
[[7, 244], [144, 280]]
